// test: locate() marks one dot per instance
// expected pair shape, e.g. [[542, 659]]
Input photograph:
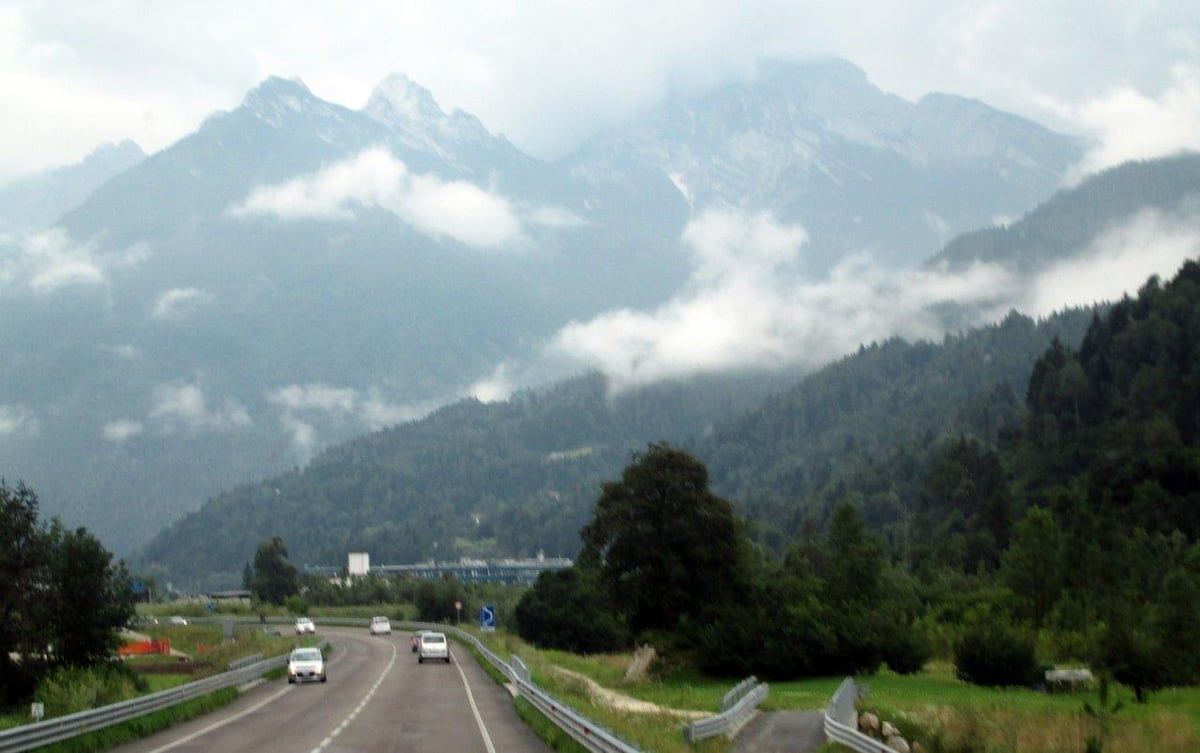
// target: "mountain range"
[[295, 273]]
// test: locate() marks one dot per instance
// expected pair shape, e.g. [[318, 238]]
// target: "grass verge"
[[548, 731], [135, 729]]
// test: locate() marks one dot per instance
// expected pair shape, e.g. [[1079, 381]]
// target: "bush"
[[435, 599], [566, 610], [995, 653], [66, 690], [907, 649]]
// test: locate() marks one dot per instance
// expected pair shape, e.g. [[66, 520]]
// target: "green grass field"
[[934, 707]]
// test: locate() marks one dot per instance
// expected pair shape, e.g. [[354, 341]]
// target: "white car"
[[176, 620], [306, 665], [305, 625], [433, 646], [380, 626]]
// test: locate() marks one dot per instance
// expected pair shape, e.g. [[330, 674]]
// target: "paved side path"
[[782, 732]]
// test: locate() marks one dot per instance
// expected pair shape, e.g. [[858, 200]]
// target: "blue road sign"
[[487, 616]]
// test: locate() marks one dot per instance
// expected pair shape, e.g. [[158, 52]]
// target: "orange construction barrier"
[[143, 648]]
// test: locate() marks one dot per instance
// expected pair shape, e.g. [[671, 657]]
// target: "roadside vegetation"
[[933, 706], [1067, 534]]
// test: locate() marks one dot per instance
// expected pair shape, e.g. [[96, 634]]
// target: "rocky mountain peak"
[[398, 100], [409, 110], [276, 98]]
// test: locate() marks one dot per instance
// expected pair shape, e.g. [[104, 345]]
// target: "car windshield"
[[306, 654], [378, 620], [434, 639]]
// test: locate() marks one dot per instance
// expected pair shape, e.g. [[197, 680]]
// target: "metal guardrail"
[[244, 662], [736, 706], [587, 733], [841, 721], [30, 736], [738, 691]]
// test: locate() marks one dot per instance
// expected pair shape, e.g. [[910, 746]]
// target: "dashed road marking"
[[362, 704], [487, 740]]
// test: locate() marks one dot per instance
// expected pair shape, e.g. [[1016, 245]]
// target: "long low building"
[[465, 570]]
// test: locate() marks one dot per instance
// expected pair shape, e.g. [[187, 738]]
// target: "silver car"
[[306, 665]]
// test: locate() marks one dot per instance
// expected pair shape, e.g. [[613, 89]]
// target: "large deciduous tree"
[[62, 601], [566, 610], [666, 548], [275, 578], [21, 554], [91, 598]]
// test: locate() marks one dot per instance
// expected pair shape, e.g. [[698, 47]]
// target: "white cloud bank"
[[1116, 263], [50, 261], [305, 407], [747, 306], [375, 179], [185, 406], [1127, 124]]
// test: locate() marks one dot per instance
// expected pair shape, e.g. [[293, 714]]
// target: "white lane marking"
[[211, 727], [235, 717], [362, 704], [487, 740]]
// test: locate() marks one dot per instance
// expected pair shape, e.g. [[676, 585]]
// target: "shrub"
[[66, 690], [907, 649], [566, 609], [994, 652]]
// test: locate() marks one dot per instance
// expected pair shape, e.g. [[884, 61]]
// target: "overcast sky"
[[546, 73]]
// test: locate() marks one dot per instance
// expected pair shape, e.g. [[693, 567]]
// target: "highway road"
[[377, 700]]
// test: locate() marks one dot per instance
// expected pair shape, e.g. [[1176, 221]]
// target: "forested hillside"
[[868, 426], [521, 476], [473, 479]]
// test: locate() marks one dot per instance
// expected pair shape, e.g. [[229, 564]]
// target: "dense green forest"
[[1067, 531], [473, 479], [870, 424]]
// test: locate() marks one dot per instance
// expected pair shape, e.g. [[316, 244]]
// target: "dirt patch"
[[603, 696]]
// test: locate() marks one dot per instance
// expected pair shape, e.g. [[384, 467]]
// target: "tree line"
[[63, 600]]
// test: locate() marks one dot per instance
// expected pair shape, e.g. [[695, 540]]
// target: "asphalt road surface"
[[782, 732], [377, 700]]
